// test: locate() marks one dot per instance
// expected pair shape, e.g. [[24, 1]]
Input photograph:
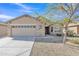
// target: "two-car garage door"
[[23, 30]]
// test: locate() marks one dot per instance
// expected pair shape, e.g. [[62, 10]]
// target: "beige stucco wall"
[[3, 30], [9, 30], [26, 21], [40, 31], [74, 29], [72, 24], [78, 29]]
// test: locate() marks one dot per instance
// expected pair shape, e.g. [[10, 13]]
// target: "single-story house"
[[27, 25]]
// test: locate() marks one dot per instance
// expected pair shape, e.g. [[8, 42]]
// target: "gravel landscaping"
[[44, 48]]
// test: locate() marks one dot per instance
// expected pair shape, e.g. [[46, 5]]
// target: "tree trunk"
[[65, 35]]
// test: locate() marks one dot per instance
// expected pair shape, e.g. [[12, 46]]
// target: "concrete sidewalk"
[[16, 46]]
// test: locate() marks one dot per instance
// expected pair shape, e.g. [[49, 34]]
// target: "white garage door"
[[24, 30]]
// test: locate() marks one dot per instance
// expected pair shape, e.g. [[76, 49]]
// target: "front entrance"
[[47, 31]]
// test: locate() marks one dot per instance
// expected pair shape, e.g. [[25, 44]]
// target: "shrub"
[[70, 33]]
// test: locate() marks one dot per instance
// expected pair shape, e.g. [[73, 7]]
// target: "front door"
[[47, 30]]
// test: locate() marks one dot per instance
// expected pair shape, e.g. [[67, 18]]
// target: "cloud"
[[25, 11], [5, 17], [24, 7]]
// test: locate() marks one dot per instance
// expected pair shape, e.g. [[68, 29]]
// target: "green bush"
[[70, 33]]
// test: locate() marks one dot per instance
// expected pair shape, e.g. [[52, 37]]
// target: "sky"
[[9, 11], [12, 10]]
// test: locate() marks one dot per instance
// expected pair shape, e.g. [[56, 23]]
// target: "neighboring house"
[[3, 30], [74, 27]]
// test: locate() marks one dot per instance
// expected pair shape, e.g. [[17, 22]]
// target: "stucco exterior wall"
[[78, 29], [24, 20], [9, 30], [74, 29], [3, 30], [41, 31], [27, 21]]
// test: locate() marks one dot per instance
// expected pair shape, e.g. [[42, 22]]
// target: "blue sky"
[[12, 10]]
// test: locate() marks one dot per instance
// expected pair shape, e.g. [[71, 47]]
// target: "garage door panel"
[[23, 31]]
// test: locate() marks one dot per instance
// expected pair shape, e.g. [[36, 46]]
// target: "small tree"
[[70, 10]]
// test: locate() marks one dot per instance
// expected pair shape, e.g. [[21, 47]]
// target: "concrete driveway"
[[16, 46]]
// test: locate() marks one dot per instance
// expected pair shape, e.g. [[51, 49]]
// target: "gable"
[[24, 20]]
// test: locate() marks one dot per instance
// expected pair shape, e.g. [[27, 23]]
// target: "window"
[[22, 26], [13, 26], [26, 26], [34, 26], [18, 26], [40, 27]]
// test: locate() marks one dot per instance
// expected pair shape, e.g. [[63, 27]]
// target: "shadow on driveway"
[[47, 39], [24, 38]]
